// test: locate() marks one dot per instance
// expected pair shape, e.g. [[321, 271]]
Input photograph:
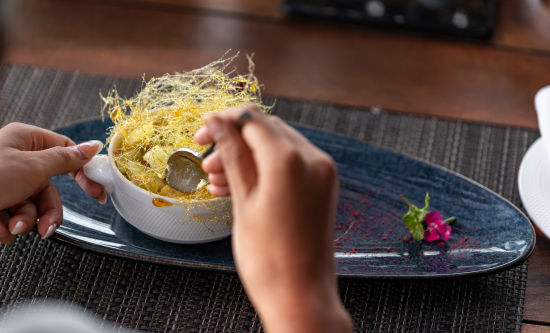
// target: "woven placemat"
[[159, 299]]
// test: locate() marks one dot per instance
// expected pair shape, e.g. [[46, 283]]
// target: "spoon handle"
[[208, 151], [238, 123]]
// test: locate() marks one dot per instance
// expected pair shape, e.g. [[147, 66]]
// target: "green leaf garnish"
[[450, 220], [414, 217]]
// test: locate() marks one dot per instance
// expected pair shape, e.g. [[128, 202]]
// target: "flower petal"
[[445, 231], [433, 217], [431, 235]]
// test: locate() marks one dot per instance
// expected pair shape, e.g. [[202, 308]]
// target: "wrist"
[[308, 309]]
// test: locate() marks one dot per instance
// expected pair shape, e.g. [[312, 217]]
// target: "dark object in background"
[[467, 18]]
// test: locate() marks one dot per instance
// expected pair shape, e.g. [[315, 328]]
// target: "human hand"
[[29, 156], [284, 193]]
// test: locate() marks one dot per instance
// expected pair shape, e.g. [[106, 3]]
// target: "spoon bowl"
[[184, 172], [184, 167]]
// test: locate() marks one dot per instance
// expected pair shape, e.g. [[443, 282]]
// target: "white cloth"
[[50, 316]]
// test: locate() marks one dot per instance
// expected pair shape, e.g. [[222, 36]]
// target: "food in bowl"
[[165, 115], [148, 127]]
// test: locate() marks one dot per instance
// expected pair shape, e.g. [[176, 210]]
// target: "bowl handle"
[[99, 170]]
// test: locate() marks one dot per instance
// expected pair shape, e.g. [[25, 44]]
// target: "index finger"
[[259, 134], [29, 137]]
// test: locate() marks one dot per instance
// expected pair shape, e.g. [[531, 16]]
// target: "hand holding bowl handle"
[[100, 171], [30, 156]]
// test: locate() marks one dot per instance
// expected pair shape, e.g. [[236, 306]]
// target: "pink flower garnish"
[[426, 225], [437, 228]]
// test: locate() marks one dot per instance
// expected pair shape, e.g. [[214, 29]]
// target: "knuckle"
[[66, 140], [326, 168], [290, 159], [65, 155]]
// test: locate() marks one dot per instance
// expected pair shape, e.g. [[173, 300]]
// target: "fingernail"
[[89, 149], [50, 231], [103, 198], [19, 226], [215, 128], [200, 132]]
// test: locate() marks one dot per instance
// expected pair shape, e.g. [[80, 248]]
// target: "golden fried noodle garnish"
[[165, 115]]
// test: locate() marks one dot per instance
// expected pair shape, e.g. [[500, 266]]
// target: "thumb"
[[236, 157], [60, 160]]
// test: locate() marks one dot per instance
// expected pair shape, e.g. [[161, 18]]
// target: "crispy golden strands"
[[165, 115]]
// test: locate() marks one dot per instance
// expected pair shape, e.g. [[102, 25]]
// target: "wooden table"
[[493, 81]]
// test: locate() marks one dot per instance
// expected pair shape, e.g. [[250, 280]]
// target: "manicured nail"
[[103, 198], [215, 128], [50, 231], [19, 226], [89, 149]]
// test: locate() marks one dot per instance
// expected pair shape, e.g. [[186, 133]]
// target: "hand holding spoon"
[[183, 169]]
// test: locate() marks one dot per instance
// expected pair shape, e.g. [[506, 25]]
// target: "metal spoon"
[[183, 169]]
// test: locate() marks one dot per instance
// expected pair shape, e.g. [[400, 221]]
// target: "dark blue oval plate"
[[490, 234]]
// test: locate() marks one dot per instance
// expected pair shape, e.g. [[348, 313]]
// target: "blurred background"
[[480, 60], [476, 61]]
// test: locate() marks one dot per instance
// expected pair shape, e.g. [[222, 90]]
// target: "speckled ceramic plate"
[[490, 234]]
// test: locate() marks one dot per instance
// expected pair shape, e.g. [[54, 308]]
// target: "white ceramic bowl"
[[198, 222]]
